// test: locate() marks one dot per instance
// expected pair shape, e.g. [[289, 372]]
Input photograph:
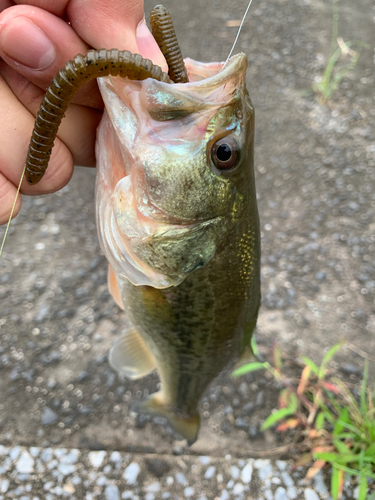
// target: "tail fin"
[[186, 425]]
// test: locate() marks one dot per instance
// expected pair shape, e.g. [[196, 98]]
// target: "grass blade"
[[275, 417], [364, 388], [311, 364], [328, 356], [250, 367]]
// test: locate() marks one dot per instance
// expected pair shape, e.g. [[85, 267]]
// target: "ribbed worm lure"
[[99, 63]]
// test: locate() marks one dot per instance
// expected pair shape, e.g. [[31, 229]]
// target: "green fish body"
[[178, 221]]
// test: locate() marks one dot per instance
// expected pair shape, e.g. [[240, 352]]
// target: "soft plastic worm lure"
[[165, 36], [95, 64]]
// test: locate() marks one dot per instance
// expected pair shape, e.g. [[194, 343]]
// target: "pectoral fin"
[[130, 356]]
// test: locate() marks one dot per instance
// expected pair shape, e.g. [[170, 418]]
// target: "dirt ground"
[[315, 180]]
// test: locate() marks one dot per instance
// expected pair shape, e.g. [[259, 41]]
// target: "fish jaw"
[[162, 210]]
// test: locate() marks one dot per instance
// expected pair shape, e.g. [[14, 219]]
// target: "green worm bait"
[[98, 63]]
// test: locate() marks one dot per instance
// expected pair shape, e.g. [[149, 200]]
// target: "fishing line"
[[11, 212], [239, 31]]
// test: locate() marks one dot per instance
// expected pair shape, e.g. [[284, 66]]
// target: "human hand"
[[35, 42]]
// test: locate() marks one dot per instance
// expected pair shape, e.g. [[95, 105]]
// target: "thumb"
[[148, 48], [114, 24]]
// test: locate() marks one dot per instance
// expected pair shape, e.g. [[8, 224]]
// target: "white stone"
[[128, 495], [52, 464], [14, 452], [131, 473], [282, 465], [153, 488], [181, 478], [288, 481], [115, 457], [247, 473], [59, 452], [96, 458], [265, 471], [25, 464], [204, 459], [261, 462], [57, 491], [66, 469], [230, 484], [280, 494], [224, 495], [310, 494], [238, 489], [101, 481], [46, 454], [292, 493], [210, 472], [112, 493], [70, 458], [189, 491], [235, 472], [47, 486], [268, 495], [4, 485]]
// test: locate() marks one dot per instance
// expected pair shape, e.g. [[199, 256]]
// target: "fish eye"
[[225, 153]]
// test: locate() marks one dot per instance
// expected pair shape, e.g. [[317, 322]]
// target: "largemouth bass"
[[176, 211], [178, 222]]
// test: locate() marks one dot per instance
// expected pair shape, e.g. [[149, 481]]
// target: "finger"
[[148, 47], [8, 193], [5, 4], [57, 7], [37, 44], [14, 141], [108, 24], [115, 24], [78, 128]]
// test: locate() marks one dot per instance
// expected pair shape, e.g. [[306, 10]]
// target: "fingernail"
[[148, 47], [27, 44]]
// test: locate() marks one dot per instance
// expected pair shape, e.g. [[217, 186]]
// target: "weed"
[[332, 76], [327, 423]]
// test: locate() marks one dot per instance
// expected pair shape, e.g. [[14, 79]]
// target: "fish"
[[176, 212], [178, 222]]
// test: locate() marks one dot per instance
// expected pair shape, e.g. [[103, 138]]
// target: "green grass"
[[336, 69], [329, 427]]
